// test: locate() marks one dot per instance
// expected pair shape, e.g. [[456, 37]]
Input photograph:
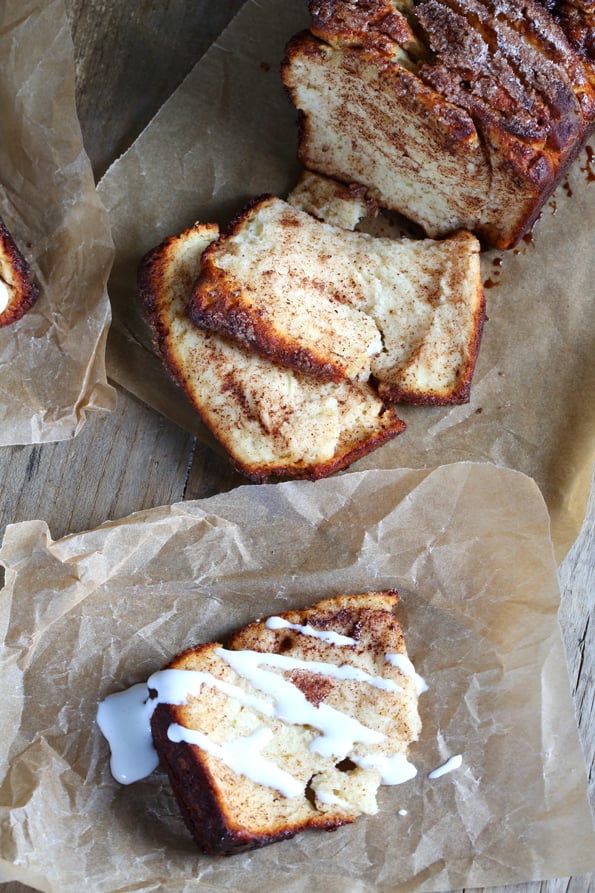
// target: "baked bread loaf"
[[339, 304], [460, 114], [18, 292], [271, 421], [293, 726]]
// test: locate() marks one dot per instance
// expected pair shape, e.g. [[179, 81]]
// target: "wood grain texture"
[[118, 464], [129, 56], [577, 621]]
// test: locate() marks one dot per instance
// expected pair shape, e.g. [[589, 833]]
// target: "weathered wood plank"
[[130, 57], [121, 462]]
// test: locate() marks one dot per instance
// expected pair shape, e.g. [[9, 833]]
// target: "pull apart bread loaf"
[[293, 726], [460, 114], [338, 304], [271, 420], [18, 292]]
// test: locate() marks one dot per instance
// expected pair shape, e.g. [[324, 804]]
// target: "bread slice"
[[341, 304], [456, 113], [271, 421], [18, 292], [293, 726], [332, 202]]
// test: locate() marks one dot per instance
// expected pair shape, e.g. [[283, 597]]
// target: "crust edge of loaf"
[[27, 291]]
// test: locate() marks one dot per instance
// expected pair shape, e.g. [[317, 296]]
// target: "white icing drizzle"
[[452, 763], [4, 296], [247, 660], [402, 663], [395, 769], [326, 635], [339, 731], [243, 757], [331, 799], [125, 720], [175, 686]]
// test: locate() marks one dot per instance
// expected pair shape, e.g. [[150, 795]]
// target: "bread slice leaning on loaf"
[[271, 421], [407, 313], [293, 726], [18, 292]]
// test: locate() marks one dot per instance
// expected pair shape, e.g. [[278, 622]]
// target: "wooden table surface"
[[130, 55]]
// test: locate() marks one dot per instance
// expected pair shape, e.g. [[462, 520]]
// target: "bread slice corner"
[[18, 291]]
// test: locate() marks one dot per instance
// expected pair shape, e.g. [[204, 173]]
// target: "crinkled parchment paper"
[[96, 612], [228, 134], [52, 361]]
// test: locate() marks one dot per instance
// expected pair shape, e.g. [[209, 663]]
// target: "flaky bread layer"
[[332, 202], [366, 120]]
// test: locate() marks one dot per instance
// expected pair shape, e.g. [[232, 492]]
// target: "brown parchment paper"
[[52, 361], [228, 134], [96, 612]]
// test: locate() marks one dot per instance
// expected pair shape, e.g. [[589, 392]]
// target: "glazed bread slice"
[[293, 726], [456, 113], [340, 304], [18, 292], [271, 421]]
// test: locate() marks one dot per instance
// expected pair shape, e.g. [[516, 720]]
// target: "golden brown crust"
[[152, 285], [373, 24], [219, 302], [577, 21], [348, 614], [15, 276], [213, 826]]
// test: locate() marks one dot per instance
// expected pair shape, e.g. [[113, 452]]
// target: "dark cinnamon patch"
[[315, 686]]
